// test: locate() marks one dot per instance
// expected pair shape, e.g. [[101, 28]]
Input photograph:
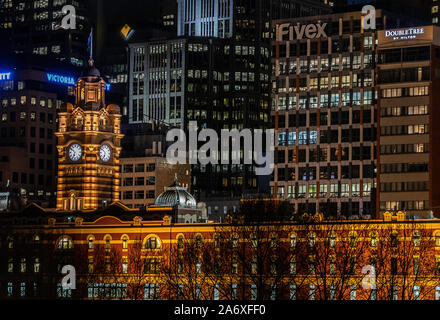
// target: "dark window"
[[313, 121]]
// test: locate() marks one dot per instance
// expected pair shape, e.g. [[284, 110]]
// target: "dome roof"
[[176, 196], [91, 71]]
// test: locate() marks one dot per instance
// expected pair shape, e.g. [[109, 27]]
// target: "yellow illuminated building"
[[89, 144]]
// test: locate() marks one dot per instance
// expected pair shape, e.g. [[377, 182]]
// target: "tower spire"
[[90, 48]]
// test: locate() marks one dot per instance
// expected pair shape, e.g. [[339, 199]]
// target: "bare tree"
[[186, 275], [334, 253], [405, 263]]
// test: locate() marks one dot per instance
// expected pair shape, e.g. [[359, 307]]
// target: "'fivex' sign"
[[299, 32]]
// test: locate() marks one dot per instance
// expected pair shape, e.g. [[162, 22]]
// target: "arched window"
[[373, 239], [10, 241], [416, 239], [234, 266], [198, 266], [65, 243], [124, 242], [23, 265], [332, 240], [293, 240], [437, 239], [180, 242], [36, 239], [312, 240], [273, 240], [292, 266], [107, 243], [217, 241], [353, 239], [37, 265], [91, 242], [394, 240], [254, 240], [235, 241], [199, 241], [152, 243]]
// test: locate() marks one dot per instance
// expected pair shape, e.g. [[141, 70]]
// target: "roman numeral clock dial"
[[75, 152], [104, 153]]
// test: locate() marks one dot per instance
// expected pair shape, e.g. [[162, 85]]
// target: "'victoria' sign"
[[310, 31]]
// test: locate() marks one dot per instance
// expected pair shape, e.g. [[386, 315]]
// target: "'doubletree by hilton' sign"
[[404, 34], [299, 32]]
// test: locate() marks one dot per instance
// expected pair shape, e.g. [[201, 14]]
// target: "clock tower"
[[89, 144]]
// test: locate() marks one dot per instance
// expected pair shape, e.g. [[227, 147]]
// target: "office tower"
[[30, 98], [408, 86], [217, 74], [233, 18], [324, 111], [435, 12], [157, 85], [119, 23], [144, 178], [34, 28]]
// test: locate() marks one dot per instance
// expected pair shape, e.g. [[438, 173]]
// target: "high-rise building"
[[235, 18], [34, 28], [118, 24], [157, 82], [435, 13], [408, 90], [217, 75], [143, 179], [30, 98], [324, 111]]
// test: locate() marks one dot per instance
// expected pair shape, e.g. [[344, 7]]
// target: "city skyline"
[[219, 150]]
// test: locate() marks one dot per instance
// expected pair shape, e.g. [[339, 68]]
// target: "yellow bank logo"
[[127, 32]]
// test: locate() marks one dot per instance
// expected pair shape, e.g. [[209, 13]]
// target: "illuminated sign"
[[127, 32], [310, 31], [5, 76], [66, 80], [60, 79], [404, 34]]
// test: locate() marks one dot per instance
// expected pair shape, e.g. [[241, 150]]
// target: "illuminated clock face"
[[104, 153], [75, 152]]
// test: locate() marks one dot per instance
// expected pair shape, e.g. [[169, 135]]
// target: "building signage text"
[[299, 32], [66, 80], [5, 76], [404, 34], [60, 79]]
